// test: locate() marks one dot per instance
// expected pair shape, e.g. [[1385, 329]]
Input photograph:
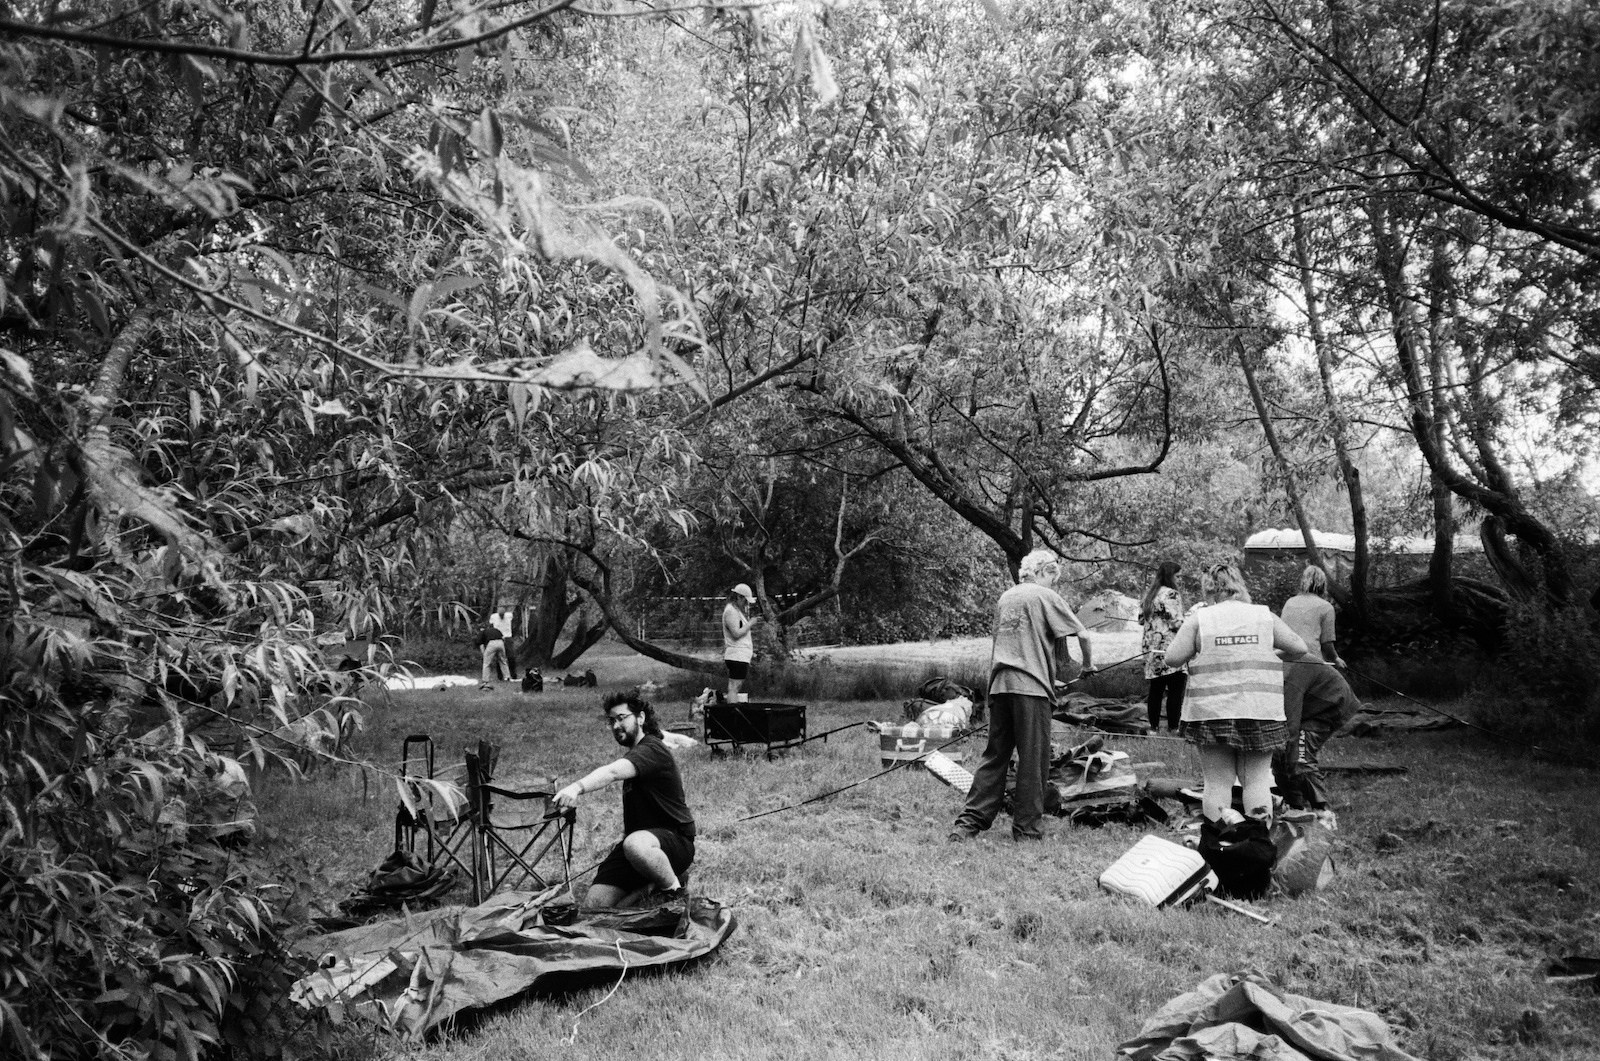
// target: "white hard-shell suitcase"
[[1159, 872]]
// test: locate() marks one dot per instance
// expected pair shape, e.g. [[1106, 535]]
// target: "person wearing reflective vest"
[[1233, 711]]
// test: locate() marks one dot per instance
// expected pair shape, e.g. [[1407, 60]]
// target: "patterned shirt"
[[1166, 615]]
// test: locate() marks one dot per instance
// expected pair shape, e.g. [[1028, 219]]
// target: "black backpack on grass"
[[1242, 855]]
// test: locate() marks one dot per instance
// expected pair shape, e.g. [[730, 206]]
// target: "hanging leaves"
[[812, 62]]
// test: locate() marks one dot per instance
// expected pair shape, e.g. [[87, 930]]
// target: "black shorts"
[[738, 669], [618, 872]]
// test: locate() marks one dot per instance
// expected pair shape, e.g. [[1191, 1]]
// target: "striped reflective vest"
[[1235, 674]]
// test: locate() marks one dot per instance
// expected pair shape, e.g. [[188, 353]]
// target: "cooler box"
[[909, 742], [1159, 872]]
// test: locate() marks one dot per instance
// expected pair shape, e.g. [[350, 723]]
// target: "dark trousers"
[[1019, 724], [1295, 768], [1170, 686]]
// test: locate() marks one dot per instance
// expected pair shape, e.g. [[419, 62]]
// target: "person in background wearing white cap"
[[738, 647]]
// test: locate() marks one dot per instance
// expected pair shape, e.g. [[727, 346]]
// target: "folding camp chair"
[[493, 851], [511, 852], [449, 837]]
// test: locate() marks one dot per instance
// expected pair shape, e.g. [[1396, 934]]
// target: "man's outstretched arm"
[[600, 777]]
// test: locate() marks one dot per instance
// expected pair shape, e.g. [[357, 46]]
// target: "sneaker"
[[658, 896], [961, 836]]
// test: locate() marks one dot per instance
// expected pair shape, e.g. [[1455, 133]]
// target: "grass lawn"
[[863, 934]]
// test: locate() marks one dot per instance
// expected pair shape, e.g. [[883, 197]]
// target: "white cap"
[[744, 591]]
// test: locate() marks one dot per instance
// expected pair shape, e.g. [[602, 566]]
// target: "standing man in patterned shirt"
[[1032, 624]]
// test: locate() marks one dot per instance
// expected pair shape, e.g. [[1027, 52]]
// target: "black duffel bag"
[[1242, 855]]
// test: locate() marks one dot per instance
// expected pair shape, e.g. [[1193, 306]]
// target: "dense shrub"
[[134, 920], [440, 655], [1551, 663], [1426, 670]]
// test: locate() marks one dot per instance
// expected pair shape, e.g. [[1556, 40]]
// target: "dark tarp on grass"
[[1241, 1017], [1371, 721], [411, 974], [1102, 713]]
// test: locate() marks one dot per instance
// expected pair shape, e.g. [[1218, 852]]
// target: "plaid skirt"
[[1245, 734]]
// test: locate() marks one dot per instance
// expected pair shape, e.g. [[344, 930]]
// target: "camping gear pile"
[[942, 702], [1091, 786], [941, 712], [408, 976]]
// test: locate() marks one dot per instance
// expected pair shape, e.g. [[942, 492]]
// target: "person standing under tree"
[[657, 845], [1032, 624], [738, 646], [1234, 710], [495, 667], [1160, 615], [1309, 613]]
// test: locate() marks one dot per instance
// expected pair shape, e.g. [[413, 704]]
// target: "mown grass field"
[[863, 934]]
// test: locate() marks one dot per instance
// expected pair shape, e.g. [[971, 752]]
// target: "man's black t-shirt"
[[654, 799]]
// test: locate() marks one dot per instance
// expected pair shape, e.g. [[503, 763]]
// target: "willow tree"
[[280, 283]]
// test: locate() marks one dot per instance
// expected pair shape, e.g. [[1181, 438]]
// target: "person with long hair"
[[1233, 712], [1160, 616], [658, 831], [1309, 613]]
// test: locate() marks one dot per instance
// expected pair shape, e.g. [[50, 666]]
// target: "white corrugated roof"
[[1287, 539]]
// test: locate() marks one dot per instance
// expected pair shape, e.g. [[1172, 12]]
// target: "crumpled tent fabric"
[[410, 975], [401, 879], [1241, 1017]]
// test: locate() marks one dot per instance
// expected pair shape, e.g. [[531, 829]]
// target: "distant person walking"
[[492, 643], [1309, 613], [738, 646], [1160, 616], [1233, 713], [1031, 626]]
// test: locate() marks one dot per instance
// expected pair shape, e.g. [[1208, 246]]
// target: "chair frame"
[[497, 854]]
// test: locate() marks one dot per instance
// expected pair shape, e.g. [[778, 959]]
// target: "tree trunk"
[[1503, 503], [1338, 426], [554, 605], [585, 637], [551, 610], [599, 590], [1441, 562], [1313, 553]]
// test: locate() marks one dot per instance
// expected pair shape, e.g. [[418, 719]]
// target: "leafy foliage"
[[280, 283]]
